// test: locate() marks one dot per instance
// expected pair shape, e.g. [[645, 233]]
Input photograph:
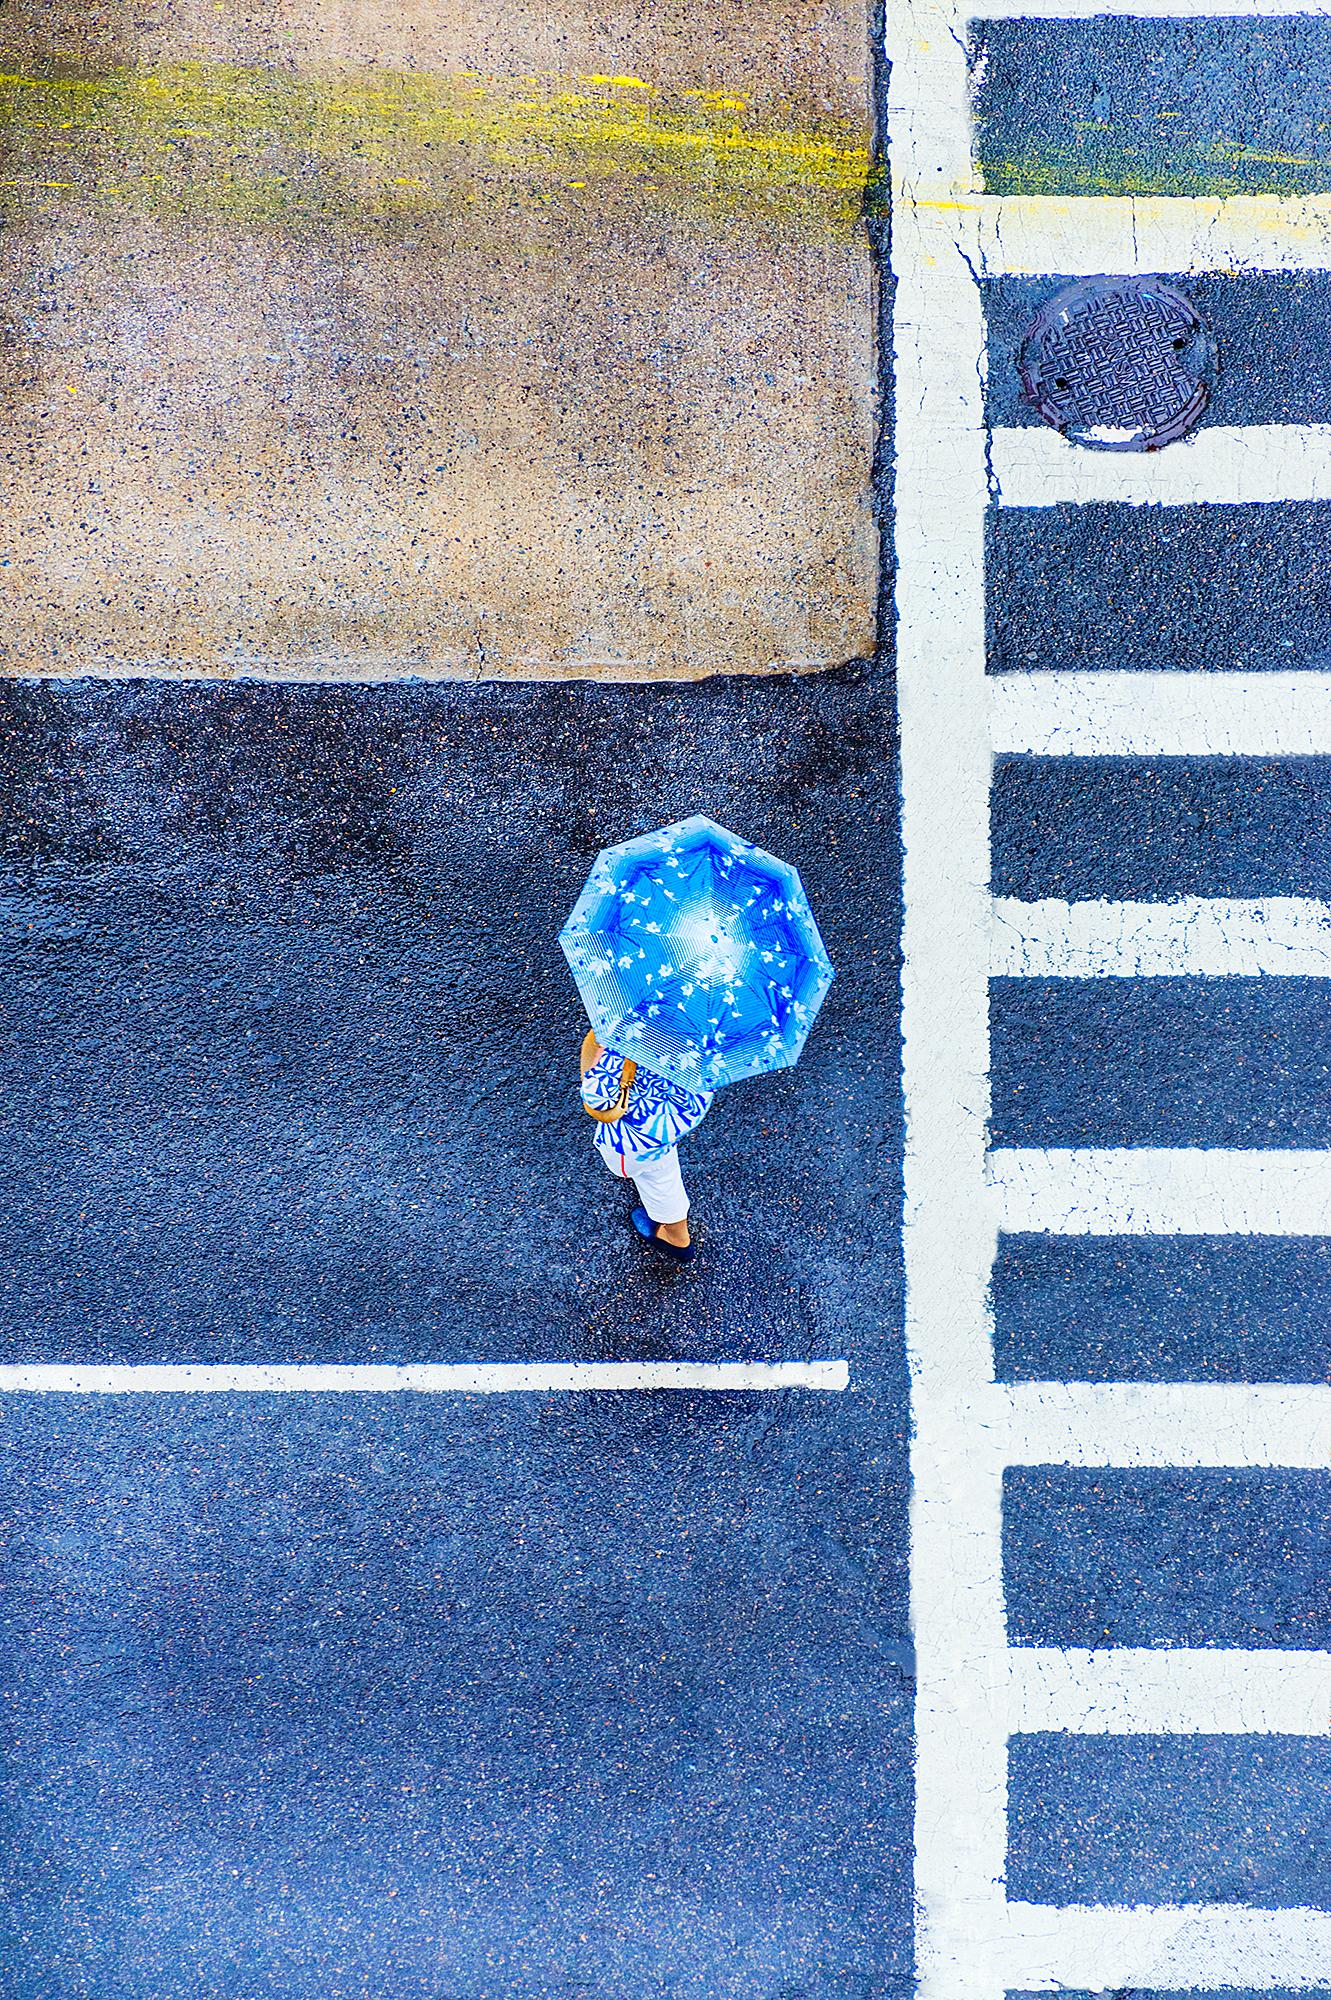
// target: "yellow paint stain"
[[957, 205], [1231, 154], [1095, 165], [267, 143]]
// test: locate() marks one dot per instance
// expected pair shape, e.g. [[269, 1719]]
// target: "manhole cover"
[[1120, 364]]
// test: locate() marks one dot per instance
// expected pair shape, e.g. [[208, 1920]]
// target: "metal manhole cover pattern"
[[1119, 364]]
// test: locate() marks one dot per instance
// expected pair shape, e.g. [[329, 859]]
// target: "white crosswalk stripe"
[[1197, 936], [1124, 714], [435, 1378], [1161, 1190], [1123, 1690], [1221, 465], [1146, 10], [1081, 235], [1168, 1424], [1103, 1949]]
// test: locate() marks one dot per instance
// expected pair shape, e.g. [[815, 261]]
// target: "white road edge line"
[[432, 1378], [1166, 1691], [1220, 465], [941, 496], [1108, 713], [1162, 1191], [1198, 936], [1044, 1949]]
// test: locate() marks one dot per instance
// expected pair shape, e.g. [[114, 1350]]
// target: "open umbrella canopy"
[[697, 954]]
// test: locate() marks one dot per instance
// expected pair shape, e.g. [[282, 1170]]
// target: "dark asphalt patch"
[[1170, 1819], [1159, 589], [1234, 1556], [1162, 1308], [1126, 106], [1273, 330], [1153, 828], [293, 1048], [1161, 1062], [335, 1698]]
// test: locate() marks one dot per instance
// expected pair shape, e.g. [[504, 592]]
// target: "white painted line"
[[941, 495], [1162, 1191], [1141, 10], [1112, 714], [1224, 464], [430, 1377], [940, 500], [1164, 1424], [1197, 936], [1076, 235], [1105, 1949], [1166, 1691]]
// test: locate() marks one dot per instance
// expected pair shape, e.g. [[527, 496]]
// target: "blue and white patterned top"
[[657, 1116]]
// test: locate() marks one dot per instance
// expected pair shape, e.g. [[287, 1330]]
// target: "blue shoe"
[[645, 1228]]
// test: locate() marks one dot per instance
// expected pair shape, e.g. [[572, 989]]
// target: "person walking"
[[640, 1119], [697, 951]]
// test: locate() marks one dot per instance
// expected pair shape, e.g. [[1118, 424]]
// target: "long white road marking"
[[1170, 1949], [1280, 935], [429, 1377], [1168, 1423], [1162, 1690], [1223, 464], [1112, 713], [940, 499], [1162, 1191], [1076, 235]]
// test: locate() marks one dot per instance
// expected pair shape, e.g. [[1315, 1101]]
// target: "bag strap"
[[616, 1111]]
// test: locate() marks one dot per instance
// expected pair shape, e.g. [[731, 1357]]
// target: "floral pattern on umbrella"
[[697, 954]]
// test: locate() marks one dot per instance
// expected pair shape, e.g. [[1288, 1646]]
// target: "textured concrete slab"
[[449, 341]]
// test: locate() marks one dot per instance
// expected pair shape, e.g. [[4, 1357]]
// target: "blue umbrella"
[[697, 954]]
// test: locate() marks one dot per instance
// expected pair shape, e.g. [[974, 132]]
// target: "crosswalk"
[[985, 1706]]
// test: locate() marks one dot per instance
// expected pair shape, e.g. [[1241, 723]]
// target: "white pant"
[[659, 1182]]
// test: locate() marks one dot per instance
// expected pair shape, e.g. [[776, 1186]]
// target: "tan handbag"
[[626, 1076]]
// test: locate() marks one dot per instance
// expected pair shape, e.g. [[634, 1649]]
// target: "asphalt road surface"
[[501, 1698]]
